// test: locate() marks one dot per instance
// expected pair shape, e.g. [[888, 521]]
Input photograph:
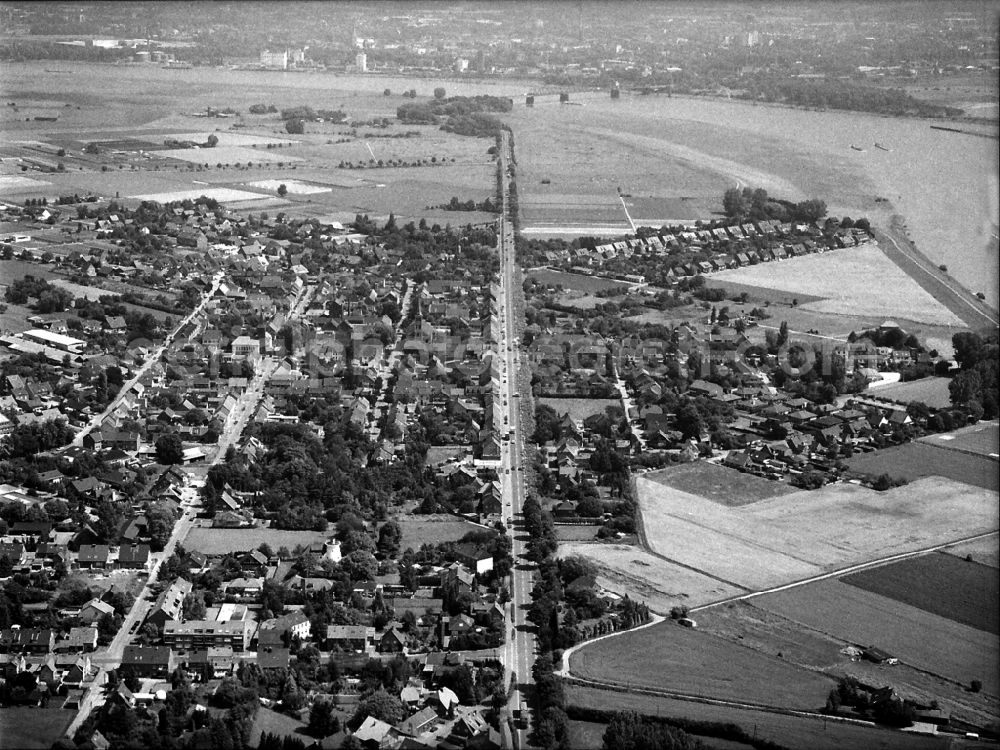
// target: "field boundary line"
[[856, 568], [619, 687]]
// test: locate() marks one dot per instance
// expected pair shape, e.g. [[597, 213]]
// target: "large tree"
[[170, 449]]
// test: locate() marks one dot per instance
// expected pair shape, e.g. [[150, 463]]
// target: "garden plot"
[[792, 537]]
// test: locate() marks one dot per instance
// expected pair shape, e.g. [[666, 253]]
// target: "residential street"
[[150, 360]]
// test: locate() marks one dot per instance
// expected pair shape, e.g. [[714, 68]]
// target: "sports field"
[[723, 485], [627, 569], [921, 459], [922, 639], [792, 537], [942, 584]]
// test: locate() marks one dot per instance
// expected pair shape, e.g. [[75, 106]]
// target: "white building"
[[274, 59], [361, 62], [54, 340]]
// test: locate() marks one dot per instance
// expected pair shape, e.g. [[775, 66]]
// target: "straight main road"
[[519, 648]]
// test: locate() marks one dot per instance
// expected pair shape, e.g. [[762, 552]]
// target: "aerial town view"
[[540, 375]]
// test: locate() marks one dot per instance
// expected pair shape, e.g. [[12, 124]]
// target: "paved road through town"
[[519, 650]]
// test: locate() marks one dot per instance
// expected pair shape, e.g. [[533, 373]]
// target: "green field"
[[723, 485], [576, 281], [421, 530], [787, 731], [33, 728], [942, 584], [220, 541], [669, 657], [930, 391], [982, 439], [919, 459], [580, 408]]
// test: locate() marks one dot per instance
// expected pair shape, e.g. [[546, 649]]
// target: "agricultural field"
[[221, 541], [12, 183], [945, 585], [294, 187], [627, 569], [576, 281], [784, 730], [723, 485], [982, 438], [985, 551], [223, 195], [931, 391], [921, 639], [580, 408], [920, 459], [692, 662], [852, 281], [419, 530], [802, 534]]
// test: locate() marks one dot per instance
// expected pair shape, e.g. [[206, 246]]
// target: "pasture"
[[942, 584], [921, 459], [718, 483], [579, 408], [432, 529], [692, 662], [931, 391], [815, 733], [222, 541], [802, 534], [627, 569], [921, 639], [850, 281]]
